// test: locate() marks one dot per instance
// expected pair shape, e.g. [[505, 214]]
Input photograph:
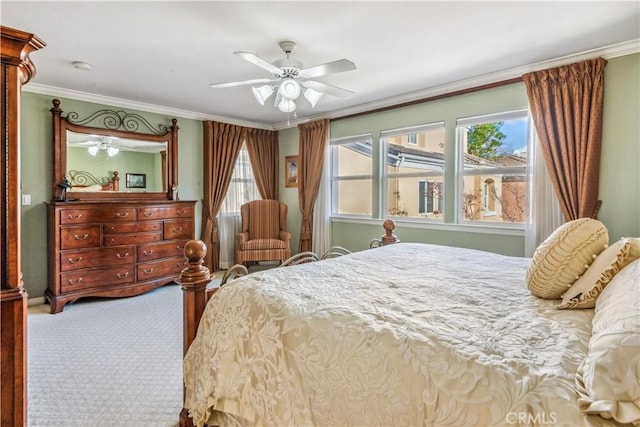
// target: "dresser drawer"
[[167, 267], [178, 229], [153, 251], [84, 216], [131, 227], [131, 239], [75, 260], [87, 236], [96, 277], [164, 212]]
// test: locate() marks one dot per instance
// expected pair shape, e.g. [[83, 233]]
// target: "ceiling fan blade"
[[328, 89], [329, 68], [256, 60], [240, 83]]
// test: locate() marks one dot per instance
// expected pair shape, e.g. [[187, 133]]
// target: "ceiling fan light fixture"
[[112, 151], [290, 89], [93, 150], [313, 96], [287, 105], [262, 93]]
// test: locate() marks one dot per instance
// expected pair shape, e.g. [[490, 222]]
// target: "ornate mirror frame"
[[116, 124]]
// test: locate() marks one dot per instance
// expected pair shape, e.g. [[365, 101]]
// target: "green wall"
[[619, 171], [619, 168], [37, 174]]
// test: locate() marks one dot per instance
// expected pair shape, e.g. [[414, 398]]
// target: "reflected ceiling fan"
[[110, 144], [290, 79]]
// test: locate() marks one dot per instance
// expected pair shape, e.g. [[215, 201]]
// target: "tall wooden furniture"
[[115, 248], [17, 69], [109, 243]]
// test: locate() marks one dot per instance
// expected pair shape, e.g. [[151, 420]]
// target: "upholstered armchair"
[[263, 236]]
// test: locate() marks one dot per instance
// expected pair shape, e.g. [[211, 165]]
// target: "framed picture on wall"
[[291, 171], [136, 180]]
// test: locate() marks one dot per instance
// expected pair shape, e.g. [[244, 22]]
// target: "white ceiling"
[[167, 53]]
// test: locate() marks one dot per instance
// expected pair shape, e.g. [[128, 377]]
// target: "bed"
[[398, 335], [83, 181]]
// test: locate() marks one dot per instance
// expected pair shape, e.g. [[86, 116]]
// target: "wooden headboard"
[[85, 181]]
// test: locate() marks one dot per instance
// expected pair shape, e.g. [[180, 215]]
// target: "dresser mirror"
[[113, 155]]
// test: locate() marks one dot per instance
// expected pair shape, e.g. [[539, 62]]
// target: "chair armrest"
[[242, 237], [285, 235]]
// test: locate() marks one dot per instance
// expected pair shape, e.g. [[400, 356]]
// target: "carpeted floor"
[[107, 362]]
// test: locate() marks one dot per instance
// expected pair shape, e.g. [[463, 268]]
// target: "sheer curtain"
[[242, 189], [544, 213], [322, 211]]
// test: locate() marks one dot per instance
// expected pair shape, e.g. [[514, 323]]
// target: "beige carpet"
[[107, 362]]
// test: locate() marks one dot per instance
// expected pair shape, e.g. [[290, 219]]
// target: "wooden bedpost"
[[388, 238], [194, 280]]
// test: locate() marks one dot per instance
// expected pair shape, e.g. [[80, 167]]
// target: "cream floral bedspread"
[[403, 335]]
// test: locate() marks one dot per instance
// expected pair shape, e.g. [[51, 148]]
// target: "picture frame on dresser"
[[108, 241]]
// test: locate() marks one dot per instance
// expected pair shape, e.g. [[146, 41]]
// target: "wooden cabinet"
[[115, 249]]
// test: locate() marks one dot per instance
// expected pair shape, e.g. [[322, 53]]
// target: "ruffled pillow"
[[608, 379], [585, 290], [564, 256]]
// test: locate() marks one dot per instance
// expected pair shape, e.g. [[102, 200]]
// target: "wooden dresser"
[[115, 248]]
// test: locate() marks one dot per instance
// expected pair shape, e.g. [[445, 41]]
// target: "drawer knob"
[[74, 261], [149, 252], [70, 216], [75, 282], [122, 276], [176, 229], [121, 255], [122, 215], [149, 271], [83, 237], [180, 248], [147, 213], [180, 211]]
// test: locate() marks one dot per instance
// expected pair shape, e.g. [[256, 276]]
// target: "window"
[[243, 187], [430, 197], [414, 171], [351, 175], [491, 168]]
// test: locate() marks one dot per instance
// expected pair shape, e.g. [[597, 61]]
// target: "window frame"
[[335, 179], [385, 176], [460, 172]]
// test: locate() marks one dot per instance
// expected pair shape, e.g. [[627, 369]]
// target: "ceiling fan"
[[291, 79]]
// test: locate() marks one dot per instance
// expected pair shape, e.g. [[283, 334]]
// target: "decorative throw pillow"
[[564, 256], [585, 290], [608, 380]]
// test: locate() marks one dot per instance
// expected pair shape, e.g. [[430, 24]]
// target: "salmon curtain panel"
[[312, 143], [222, 143], [262, 146], [566, 105]]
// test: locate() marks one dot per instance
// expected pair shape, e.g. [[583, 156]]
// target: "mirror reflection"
[[94, 160]]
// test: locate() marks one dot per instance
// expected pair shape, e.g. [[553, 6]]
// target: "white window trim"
[[460, 172]]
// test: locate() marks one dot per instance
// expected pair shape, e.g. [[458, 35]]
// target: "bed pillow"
[[585, 290], [608, 379], [564, 256]]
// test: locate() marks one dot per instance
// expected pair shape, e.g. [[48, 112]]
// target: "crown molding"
[[608, 52], [134, 105], [613, 51]]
